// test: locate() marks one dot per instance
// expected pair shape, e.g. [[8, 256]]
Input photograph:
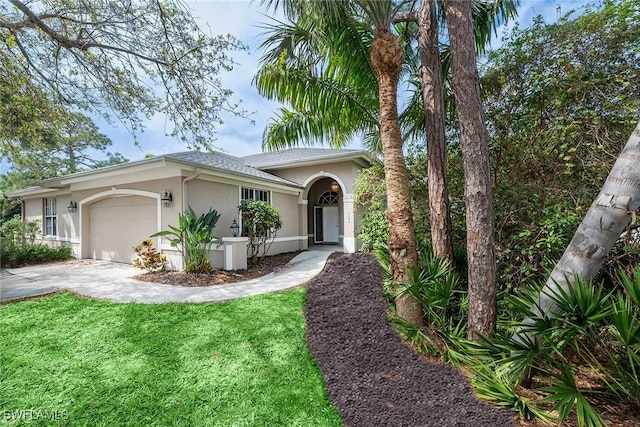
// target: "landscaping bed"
[[219, 277], [372, 377]]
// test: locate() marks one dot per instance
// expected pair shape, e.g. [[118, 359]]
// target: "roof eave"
[[318, 160], [223, 171], [29, 191]]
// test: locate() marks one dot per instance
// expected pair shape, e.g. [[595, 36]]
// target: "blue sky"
[[242, 19]]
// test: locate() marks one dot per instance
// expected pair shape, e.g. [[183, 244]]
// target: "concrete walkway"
[[113, 282]]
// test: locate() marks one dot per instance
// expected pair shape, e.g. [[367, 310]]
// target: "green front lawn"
[[243, 363]]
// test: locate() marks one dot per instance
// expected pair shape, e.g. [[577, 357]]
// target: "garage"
[[117, 224]]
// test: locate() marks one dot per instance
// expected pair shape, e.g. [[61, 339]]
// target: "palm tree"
[[332, 97], [386, 56], [606, 219]]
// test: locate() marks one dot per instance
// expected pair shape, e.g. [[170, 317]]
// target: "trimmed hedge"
[[18, 255]]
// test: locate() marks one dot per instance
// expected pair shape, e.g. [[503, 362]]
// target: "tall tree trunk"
[[601, 227], [387, 58], [433, 99], [71, 153], [475, 158]]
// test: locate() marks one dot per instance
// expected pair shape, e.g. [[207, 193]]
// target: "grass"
[[242, 363]]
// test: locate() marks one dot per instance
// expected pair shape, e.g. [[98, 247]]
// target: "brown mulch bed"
[[219, 277], [372, 377]]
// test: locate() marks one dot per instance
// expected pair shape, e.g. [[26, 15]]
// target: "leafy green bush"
[[260, 223], [595, 333], [373, 230], [17, 245], [16, 232], [369, 194], [443, 297], [33, 254], [193, 237]]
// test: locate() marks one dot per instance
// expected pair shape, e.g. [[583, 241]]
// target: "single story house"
[[103, 213]]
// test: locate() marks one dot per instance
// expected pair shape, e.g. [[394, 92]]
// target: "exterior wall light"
[[335, 187], [72, 206], [234, 228], [166, 198]]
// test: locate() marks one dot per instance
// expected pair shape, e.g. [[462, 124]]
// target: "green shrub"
[[443, 297], [595, 330], [33, 254], [370, 197], [17, 245], [260, 223], [373, 230], [16, 232]]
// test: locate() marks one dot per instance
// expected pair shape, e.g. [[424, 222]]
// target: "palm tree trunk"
[[387, 58], [475, 158], [601, 227], [433, 99]]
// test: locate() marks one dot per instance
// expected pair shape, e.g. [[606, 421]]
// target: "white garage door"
[[117, 224]]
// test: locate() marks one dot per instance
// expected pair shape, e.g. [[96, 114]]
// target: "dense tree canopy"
[[123, 58], [561, 101]]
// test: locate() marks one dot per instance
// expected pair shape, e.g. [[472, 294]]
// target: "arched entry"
[[325, 211]]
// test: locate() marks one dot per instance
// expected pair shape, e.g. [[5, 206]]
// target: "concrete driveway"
[[112, 281]]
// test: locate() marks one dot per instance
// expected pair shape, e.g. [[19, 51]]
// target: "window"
[[328, 198], [50, 217], [254, 194]]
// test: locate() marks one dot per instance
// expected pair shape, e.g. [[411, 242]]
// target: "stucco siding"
[[346, 171], [33, 209], [202, 195], [287, 206]]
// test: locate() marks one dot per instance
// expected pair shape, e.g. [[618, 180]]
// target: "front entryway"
[[326, 224]]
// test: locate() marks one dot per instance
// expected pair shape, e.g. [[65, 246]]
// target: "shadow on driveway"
[[112, 281]]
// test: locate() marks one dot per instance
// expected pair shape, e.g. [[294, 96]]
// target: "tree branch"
[[69, 43], [405, 17]]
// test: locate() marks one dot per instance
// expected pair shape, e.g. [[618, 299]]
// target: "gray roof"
[[291, 156], [226, 163], [249, 166]]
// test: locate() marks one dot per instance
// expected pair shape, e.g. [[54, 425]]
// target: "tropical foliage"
[[594, 335], [148, 257], [331, 97], [561, 100], [193, 237]]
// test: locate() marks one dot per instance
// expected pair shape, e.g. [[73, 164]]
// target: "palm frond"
[[488, 16]]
